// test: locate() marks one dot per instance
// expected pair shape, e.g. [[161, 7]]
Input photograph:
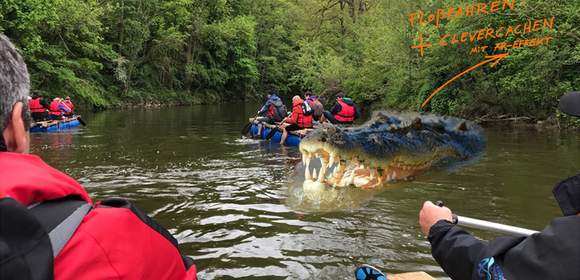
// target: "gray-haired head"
[[14, 82]]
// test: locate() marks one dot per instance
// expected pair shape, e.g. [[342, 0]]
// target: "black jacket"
[[554, 253]]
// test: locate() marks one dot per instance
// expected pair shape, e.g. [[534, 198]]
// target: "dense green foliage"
[[105, 52]]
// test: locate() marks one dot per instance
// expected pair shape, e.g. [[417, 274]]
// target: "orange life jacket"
[[70, 105], [298, 117], [54, 108], [346, 113]]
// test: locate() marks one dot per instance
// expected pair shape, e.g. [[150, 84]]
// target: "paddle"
[[81, 121], [273, 131], [248, 126], [491, 226]]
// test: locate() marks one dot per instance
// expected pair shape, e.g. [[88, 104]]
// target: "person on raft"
[[57, 109], [299, 119], [343, 112], [315, 104], [68, 103], [553, 253], [38, 107], [272, 112], [49, 226]]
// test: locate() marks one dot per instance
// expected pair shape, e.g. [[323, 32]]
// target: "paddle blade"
[[246, 128], [82, 121], [271, 134]]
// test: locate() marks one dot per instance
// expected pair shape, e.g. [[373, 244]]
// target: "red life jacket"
[[35, 106], [70, 105], [298, 116], [54, 108], [311, 100], [271, 112], [109, 243], [346, 113]]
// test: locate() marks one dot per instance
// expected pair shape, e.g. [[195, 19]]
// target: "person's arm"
[[264, 109], [336, 109], [63, 107], [456, 251], [293, 118]]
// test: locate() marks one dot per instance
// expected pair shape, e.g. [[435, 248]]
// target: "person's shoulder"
[[566, 223], [114, 241]]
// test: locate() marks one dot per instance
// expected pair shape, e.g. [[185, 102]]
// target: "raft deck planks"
[[411, 276]]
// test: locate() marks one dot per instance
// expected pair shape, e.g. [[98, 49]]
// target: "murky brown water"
[[234, 207]]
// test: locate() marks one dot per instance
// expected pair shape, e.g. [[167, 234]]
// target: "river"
[[236, 205]]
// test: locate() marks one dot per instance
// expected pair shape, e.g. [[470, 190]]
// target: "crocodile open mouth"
[[387, 148], [343, 170]]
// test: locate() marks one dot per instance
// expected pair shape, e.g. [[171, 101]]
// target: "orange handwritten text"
[[510, 32], [469, 10], [493, 59], [530, 26], [504, 46], [421, 46]]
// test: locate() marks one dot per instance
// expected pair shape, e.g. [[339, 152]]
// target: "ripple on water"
[[230, 204]]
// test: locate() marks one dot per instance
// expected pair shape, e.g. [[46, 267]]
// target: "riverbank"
[[139, 98], [160, 98], [168, 98], [559, 121]]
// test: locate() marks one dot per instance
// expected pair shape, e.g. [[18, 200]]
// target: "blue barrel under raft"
[[55, 125], [291, 140]]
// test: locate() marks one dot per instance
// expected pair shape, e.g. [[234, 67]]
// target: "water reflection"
[[322, 198]]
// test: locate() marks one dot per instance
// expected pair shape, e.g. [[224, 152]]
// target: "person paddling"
[[553, 253], [315, 104], [297, 120], [49, 226], [57, 109], [272, 111], [343, 112], [38, 108], [70, 106]]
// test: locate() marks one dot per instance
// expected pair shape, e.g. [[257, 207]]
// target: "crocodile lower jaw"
[[347, 171]]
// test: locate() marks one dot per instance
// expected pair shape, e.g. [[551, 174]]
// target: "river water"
[[237, 207]]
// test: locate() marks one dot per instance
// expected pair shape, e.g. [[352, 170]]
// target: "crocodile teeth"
[[323, 168], [307, 175], [332, 160], [314, 174]]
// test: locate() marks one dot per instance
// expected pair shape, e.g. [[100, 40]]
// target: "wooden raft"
[[411, 276], [45, 123], [48, 123], [300, 133]]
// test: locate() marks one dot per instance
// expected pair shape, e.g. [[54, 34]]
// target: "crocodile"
[[387, 148]]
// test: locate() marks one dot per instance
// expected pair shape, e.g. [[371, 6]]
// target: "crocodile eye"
[[323, 139]]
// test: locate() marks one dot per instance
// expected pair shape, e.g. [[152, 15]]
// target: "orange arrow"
[[489, 58]]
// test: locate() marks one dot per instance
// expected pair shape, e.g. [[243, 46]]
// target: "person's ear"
[[16, 135]]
